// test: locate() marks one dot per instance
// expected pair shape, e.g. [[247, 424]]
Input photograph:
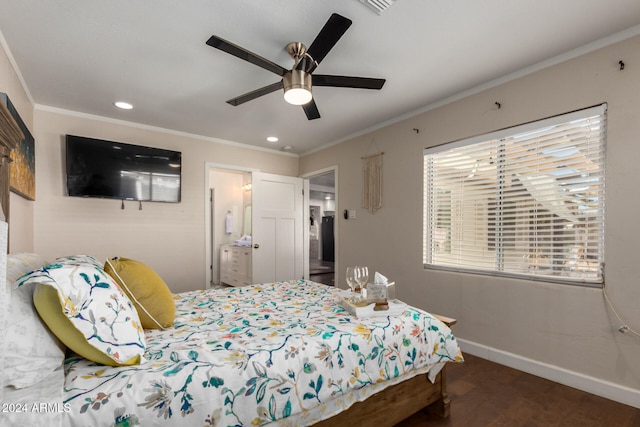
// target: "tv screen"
[[115, 170]]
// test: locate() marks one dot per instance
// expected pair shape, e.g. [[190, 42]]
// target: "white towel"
[[243, 241], [228, 223]]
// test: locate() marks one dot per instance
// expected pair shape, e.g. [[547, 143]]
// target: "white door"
[[278, 227]]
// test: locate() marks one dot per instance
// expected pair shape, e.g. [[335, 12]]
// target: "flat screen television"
[[115, 170]]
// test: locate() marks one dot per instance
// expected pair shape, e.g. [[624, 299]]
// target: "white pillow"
[[32, 353], [22, 263]]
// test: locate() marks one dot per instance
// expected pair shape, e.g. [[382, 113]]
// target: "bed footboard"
[[396, 403]]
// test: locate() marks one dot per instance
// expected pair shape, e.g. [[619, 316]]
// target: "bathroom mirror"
[[247, 220]]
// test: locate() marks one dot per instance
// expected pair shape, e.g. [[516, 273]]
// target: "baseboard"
[[608, 390]]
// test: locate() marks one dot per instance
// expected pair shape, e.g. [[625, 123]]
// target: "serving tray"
[[345, 299]]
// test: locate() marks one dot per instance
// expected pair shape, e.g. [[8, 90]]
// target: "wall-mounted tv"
[[115, 170]]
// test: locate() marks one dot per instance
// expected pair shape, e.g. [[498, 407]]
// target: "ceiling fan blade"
[[346, 81], [328, 36], [311, 110], [255, 94], [238, 52]]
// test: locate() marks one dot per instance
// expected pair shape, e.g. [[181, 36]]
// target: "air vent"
[[378, 6]]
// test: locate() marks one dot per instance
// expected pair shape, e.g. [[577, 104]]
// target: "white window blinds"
[[527, 200]]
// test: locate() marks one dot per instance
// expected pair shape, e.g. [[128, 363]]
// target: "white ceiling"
[[82, 55]]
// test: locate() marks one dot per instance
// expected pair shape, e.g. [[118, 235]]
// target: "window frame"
[[495, 243]]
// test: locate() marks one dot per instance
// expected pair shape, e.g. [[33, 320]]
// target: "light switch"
[[352, 214]]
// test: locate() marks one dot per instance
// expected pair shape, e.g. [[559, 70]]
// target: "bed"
[[281, 354]]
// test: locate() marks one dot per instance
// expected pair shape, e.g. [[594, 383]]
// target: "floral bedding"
[[283, 353]]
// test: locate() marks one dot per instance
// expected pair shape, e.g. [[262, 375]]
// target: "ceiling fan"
[[298, 81]]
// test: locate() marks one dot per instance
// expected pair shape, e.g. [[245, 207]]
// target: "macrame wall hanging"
[[372, 181]]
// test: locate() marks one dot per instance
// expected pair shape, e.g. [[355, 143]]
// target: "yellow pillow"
[[46, 301], [147, 291]]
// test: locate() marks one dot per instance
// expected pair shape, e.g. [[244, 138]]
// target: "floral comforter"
[[283, 353]]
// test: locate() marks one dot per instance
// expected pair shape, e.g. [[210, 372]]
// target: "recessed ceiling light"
[[123, 105], [272, 138]]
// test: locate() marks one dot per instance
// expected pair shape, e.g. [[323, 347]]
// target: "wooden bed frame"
[[396, 403]]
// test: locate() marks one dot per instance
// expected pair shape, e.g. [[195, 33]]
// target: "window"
[[526, 201]]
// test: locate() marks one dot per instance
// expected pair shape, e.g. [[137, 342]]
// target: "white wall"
[[169, 237], [551, 327], [229, 200]]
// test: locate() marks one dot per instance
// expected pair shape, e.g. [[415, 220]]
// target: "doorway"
[[322, 227], [229, 215], [264, 214]]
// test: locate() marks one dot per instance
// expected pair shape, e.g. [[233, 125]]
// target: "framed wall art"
[[22, 171]]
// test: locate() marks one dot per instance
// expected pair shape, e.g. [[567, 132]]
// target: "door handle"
[[256, 246]]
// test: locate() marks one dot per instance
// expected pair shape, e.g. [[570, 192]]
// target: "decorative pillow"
[[87, 311], [79, 260], [147, 291], [32, 352]]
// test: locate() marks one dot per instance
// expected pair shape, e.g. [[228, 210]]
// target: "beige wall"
[[169, 237], [21, 210], [567, 327]]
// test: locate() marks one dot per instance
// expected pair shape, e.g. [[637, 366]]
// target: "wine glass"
[[362, 277], [351, 278]]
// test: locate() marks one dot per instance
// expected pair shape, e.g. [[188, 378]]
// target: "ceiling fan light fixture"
[[297, 87]]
